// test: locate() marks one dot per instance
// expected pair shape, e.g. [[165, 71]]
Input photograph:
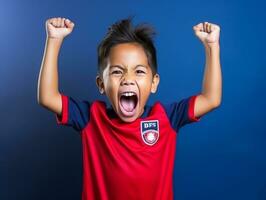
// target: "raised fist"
[[208, 33], [58, 27]]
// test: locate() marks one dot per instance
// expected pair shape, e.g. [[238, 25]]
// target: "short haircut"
[[123, 31]]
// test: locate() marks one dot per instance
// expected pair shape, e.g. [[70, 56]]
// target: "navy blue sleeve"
[[182, 112], [75, 113]]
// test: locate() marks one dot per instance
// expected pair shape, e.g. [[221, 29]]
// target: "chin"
[[128, 119]]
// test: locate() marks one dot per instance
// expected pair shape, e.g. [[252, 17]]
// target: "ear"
[[155, 83], [100, 84]]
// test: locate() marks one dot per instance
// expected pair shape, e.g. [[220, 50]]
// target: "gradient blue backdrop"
[[220, 157]]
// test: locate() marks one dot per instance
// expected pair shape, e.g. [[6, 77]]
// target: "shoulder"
[[76, 112], [179, 112]]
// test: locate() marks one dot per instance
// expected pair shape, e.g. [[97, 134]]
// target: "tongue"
[[128, 104]]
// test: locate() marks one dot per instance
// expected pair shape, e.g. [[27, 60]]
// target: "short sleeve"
[[75, 113], [182, 112]]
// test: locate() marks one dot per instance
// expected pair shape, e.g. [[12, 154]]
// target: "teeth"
[[127, 94]]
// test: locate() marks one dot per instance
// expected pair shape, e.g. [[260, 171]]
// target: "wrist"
[[54, 39], [212, 45], [212, 49]]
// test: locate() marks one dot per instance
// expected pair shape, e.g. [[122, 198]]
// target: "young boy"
[[129, 147]]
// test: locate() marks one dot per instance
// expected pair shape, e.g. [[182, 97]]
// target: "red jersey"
[[126, 161]]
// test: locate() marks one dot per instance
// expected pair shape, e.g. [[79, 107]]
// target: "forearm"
[[48, 76], [212, 81]]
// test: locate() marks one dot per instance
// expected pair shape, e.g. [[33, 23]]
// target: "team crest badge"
[[150, 131]]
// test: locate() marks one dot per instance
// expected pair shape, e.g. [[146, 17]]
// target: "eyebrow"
[[139, 65], [113, 66]]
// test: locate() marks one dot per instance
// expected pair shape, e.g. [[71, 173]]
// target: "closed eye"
[[116, 72], [140, 71]]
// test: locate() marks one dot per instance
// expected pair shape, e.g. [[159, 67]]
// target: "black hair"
[[123, 31]]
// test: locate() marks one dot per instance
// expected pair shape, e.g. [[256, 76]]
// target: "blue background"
[[220, 157]]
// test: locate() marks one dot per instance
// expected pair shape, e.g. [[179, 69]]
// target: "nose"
[[128, 79]]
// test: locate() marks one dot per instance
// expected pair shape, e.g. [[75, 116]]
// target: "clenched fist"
[[208, 33], [58, 27]]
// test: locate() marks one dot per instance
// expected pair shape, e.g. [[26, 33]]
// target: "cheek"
[[111, 88], [145, 88], [145, 83]]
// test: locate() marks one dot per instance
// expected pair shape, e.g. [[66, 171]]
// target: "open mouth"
[[128, 102]]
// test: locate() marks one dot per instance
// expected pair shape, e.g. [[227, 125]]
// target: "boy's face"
[[127, 80]]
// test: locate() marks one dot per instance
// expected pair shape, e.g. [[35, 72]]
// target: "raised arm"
[[48, 93], [211, 94]]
